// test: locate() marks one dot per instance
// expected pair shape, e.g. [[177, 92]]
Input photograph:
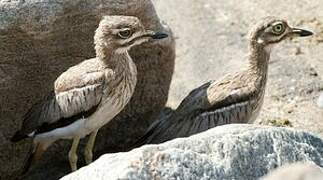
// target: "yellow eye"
[[278, 28]]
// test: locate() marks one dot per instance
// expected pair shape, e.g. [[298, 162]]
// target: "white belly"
[[67, 132]]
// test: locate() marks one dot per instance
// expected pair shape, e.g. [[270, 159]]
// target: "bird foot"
[[73, 160], [88, 155]]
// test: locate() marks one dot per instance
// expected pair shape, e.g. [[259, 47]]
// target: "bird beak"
[[156, 35], [301, 32]]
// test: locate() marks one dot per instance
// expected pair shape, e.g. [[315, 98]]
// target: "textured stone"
[[225, 152], [297, 171], [320, 101], [40, 39]]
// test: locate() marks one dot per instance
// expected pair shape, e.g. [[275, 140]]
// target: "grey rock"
[[225, 152], [297, 171], [40, 39], [320, 101]]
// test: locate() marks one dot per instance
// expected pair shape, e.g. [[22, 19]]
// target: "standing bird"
[[237, 98], [90, 94]]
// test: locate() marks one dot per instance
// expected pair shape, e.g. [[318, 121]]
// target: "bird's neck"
[[113, 58], [258, 64], [125, 64], [120, 62], [124, 70], [258, 58]]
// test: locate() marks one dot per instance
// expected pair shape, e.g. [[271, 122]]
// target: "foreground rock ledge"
[[225, 152], [297, 171]]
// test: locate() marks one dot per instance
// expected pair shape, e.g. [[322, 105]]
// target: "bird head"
[[273, 30], [120, 33]]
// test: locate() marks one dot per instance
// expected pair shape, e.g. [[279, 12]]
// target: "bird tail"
[[145, 139], [155, 127], [18, 137]]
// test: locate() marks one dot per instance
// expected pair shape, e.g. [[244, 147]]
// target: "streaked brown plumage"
[[90, 94], [237, 98]]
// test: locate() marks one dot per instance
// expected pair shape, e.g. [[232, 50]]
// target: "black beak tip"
[[304, 33], [159, 35]]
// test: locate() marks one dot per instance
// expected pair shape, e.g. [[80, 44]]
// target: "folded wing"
[[77, 94], [210, 105]]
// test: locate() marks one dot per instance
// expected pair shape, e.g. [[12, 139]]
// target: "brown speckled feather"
[[230, 100]]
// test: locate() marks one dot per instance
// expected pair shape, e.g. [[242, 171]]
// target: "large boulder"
[[40, 39], [297, 171], [225, 152]]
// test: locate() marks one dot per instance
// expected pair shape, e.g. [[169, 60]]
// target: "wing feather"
[[76, 94], [205, 107]]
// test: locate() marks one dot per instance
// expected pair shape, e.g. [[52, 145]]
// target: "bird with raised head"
[[236, 98], [90, 94]]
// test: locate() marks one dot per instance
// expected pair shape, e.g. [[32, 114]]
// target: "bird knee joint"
[[72, 156], [88, 152]]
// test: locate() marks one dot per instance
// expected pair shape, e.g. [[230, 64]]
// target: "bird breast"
[[116, 95]]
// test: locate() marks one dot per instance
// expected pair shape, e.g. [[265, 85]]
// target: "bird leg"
[[72, 153], [88, 152]]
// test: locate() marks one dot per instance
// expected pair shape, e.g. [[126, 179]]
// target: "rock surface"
[[297, 171], [225, 152], [211, 42], [320, 101], [40, 39]]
